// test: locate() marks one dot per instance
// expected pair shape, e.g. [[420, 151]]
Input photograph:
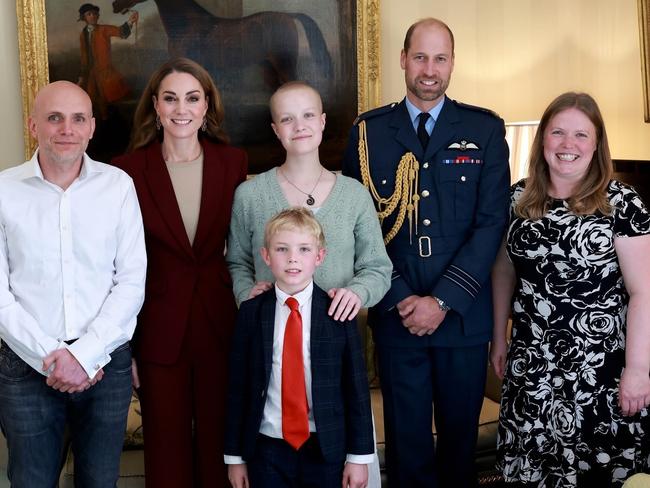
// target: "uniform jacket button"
[[425, 165], [425, 193], [426, 222], [462, 178]]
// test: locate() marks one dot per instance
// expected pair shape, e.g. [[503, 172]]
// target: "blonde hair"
[[293, 85], [144, 122], [296, 219], [590, 196]]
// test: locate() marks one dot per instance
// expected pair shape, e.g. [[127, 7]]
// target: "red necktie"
[[295, 425]]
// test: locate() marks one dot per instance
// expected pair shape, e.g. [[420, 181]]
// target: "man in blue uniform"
[[438, 171]]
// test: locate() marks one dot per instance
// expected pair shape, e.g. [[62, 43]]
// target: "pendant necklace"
[[310, 198]]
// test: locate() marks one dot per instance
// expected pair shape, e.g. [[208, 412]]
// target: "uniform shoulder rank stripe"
[[374, 112], [476, 108]]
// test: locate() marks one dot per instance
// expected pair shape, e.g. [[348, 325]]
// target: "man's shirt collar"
[[414, 112]]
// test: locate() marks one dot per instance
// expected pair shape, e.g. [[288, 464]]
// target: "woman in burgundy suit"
[[185, 175]]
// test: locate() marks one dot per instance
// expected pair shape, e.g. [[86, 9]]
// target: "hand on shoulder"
[[345, 304]]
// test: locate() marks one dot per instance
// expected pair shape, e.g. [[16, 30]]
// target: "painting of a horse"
[[269, 39], [249, 47]]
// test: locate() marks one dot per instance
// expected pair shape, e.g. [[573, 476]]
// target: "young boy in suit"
[[298, 400]]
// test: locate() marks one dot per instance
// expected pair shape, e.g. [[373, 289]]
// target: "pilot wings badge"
[[463, 145]]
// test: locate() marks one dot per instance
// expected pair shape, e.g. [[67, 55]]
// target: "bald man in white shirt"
[[72, 272]]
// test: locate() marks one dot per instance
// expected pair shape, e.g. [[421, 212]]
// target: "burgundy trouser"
[[183, 412]]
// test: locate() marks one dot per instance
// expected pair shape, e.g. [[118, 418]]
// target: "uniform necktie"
[[423, 135], [295, 424]]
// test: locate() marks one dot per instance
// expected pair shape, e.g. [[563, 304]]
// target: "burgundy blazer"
[[180, 275]]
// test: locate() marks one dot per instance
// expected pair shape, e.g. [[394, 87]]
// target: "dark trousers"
[[278, 465], [34, 417], [421, 383], [183, 411]]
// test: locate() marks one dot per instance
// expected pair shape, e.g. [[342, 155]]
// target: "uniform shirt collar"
[[414, 112]]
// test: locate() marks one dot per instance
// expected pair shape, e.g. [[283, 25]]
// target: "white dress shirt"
[[271, 424], [72, 263], [272, 418]]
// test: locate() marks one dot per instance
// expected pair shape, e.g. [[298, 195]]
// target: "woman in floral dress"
[[575, 271]]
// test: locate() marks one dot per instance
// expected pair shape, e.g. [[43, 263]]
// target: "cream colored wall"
[[512, 56], [515, 56], [11, 112]]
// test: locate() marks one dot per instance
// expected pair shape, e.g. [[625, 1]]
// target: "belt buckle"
[[425, 249]]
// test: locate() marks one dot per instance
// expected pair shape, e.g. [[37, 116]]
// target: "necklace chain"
[[185, 160], [310, 197]]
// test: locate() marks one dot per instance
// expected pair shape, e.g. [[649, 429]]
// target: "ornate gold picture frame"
[[644, 43], [35, 57]]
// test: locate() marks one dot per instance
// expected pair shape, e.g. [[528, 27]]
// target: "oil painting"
[[250, 47]]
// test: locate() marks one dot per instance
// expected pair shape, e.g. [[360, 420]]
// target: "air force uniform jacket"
[[458, 211]]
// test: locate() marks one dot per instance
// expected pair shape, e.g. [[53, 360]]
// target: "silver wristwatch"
[[443, 306]]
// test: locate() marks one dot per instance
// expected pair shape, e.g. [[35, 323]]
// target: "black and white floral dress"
[[559, 414]]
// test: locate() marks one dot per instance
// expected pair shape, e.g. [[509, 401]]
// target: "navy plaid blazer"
[[340, 395]]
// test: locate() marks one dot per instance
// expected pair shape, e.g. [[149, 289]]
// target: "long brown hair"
[[144, 122], [590, 196]]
